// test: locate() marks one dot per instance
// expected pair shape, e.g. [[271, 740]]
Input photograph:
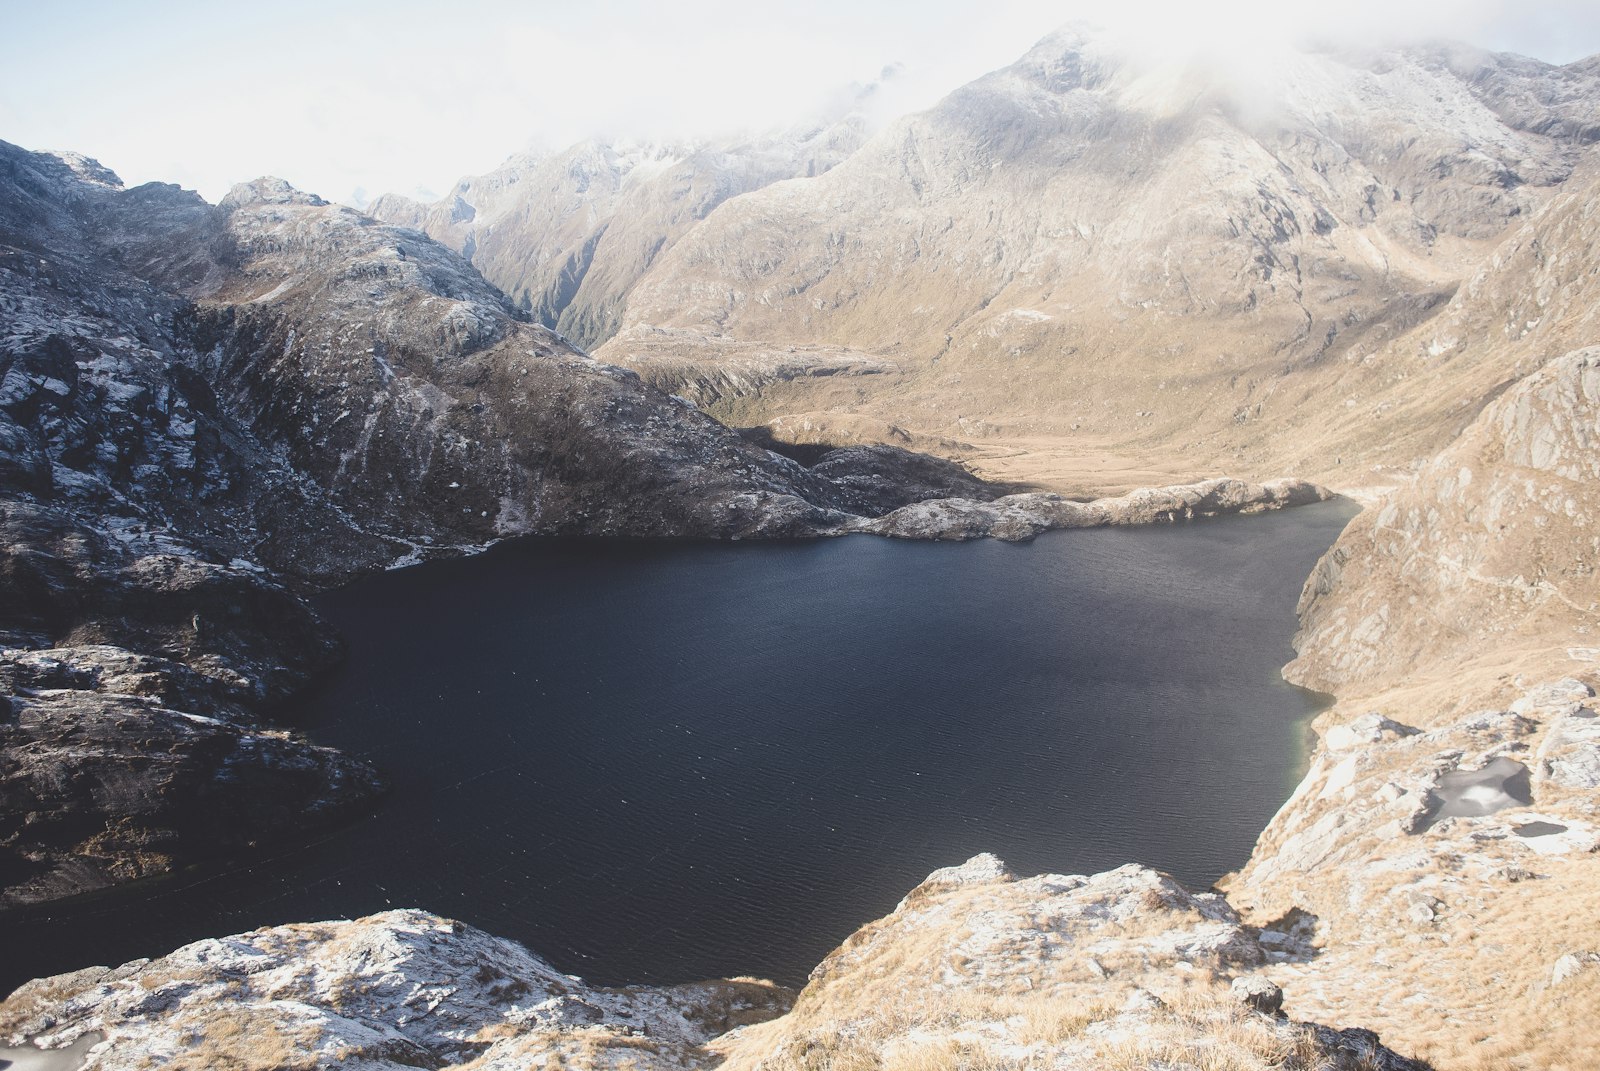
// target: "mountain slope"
[[567, 235], [1445, 838], [1086, 249]]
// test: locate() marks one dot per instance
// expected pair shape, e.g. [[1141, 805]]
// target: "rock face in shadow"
[[875, 480], [99, 786]]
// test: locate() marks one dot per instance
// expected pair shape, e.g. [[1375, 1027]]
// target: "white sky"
[[404, 95]]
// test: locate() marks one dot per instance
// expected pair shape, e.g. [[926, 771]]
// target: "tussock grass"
[[242, 1040]]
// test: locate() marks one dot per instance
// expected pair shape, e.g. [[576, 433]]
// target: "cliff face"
[[144, 643]]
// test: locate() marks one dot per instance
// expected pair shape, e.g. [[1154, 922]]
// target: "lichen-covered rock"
[[402, 989], [1258, 994], [975, 966]]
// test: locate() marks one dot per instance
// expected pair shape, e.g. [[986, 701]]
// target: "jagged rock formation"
[[105, 777], [973, 968]]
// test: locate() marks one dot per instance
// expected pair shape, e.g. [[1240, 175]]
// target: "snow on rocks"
[[397, 990]]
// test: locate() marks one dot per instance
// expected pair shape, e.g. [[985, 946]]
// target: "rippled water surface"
[[667, 762]]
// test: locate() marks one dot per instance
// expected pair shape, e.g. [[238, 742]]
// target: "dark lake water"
[[667, 762]]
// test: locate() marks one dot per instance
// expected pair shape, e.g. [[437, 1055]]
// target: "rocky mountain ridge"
[[568, 234]]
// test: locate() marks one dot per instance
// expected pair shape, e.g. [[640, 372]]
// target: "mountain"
[[568, 234], [1087, 253]]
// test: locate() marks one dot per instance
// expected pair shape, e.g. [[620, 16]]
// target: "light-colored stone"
[[1258, 993]]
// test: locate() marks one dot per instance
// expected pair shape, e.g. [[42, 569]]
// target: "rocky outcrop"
[[1021, 517], [1440, 875], [403, 989], [973, 968], [101, 784], [979, 968]]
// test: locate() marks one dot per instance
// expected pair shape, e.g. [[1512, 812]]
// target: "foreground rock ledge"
[[973, 968]]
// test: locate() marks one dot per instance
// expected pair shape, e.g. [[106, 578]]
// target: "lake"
[[661, 762]]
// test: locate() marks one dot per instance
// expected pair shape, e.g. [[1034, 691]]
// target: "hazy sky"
[[405, 95]]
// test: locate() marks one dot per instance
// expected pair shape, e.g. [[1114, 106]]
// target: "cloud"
[[402, 94]]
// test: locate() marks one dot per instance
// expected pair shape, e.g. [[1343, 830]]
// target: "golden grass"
[[240, 1039], [1202, 1029]]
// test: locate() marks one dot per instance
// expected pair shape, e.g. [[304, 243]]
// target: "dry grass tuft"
[[244, 1040]]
